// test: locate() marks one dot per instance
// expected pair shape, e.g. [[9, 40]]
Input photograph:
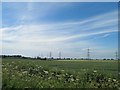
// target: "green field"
[[24, 73]]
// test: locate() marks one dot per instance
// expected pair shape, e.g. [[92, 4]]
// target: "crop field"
[[26, 73]]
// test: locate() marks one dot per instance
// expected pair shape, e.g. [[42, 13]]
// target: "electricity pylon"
[[88, 54]]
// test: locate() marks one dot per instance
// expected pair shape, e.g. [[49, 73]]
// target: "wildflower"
[[57, 75], [84, 69], [36, 65], [59, 78], [49, 78], [24, 72], [46, 72], [72, 79], [66, 74], [13, 75], [16, 67], [109, 80], [20, 74], [5, 68], [26, 87], [71, 75], [94, 71], [13, 62], [114, 80], [7, 63], [62, 70], [40, 67]]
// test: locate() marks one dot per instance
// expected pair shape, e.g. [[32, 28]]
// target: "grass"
[[23, 73]]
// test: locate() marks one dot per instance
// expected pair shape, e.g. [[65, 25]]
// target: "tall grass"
[[22, 73]]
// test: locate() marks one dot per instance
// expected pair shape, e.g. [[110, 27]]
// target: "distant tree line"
[[4, 56], [47, 58]]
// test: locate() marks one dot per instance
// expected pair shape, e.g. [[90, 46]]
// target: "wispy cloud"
[[106, 35], [68, 37], [62, 31]]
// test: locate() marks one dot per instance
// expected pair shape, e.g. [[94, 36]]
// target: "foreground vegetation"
[[22, 73]]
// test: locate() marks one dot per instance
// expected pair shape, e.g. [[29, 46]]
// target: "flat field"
[[28, 73]]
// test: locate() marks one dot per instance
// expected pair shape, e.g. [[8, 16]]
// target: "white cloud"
[[67, 37]]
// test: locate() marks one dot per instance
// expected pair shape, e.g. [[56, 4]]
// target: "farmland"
[[25, 73]]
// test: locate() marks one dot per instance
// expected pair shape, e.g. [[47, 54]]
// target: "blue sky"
[[32, 29]]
